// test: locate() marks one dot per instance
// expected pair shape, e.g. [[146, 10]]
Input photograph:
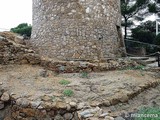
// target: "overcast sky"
[[14, 12]]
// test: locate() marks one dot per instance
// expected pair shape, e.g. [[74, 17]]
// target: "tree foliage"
[[145, 32], [157, 40], [23, 29], [130, 8]]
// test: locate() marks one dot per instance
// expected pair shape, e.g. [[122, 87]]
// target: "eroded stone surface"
[[77, 29]]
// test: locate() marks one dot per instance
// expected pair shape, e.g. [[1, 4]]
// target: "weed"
[[84, 75], [139, 67], [64, 82], [68, 92]]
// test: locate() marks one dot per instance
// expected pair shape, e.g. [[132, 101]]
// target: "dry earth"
[[93, 88]]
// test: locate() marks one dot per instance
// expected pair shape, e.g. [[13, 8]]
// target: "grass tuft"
[[68, 92], [64, 82], [84, 75]]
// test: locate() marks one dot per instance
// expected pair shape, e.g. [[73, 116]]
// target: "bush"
[[23, 29], [143, 35], [145, 32], [157, 40]]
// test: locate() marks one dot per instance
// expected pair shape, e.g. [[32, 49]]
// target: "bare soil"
[[26, 81]]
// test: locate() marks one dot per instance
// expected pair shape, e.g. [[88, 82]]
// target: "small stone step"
[[139, 58], [155, 64], [150, 60]]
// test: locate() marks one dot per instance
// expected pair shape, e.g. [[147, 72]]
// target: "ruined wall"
[[77, 29]]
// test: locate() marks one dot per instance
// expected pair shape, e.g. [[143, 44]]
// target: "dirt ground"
[[27, 81]]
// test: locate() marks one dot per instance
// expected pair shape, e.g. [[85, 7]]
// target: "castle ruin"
[[77, 29]]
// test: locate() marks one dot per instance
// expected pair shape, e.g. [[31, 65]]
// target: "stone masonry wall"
[[77, 29]]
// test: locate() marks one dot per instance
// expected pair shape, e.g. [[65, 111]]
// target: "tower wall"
[[77, 29]]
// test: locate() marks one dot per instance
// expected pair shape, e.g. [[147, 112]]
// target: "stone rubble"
[[23, 108], [5, 97], [13, 50]]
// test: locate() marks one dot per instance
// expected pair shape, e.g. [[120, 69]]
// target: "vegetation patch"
[[64, 82], [68, 92], [150, 113], [23, 29], [84, 75], [139, 67]]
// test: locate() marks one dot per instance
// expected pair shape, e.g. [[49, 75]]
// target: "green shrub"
[[143, 35], [23, 29], [157, 40], [64, 82], [145, 32], [68, 92], [152, 113]]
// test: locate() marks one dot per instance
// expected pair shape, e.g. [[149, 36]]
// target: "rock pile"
[[4, 103], [59, 110], [4, 98], [13, 50]]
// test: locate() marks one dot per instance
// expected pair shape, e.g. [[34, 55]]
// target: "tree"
[[157, 40], [145, 32], [23, 29], [130, 8]]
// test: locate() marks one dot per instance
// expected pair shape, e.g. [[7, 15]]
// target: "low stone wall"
[[84, 66]]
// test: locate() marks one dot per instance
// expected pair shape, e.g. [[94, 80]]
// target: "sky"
[[14, 12]]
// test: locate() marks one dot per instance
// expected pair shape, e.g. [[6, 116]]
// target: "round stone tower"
[[77, 29]]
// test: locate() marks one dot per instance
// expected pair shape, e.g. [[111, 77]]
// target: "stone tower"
[[77, 29]]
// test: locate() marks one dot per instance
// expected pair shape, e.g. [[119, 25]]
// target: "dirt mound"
[[13, 37]]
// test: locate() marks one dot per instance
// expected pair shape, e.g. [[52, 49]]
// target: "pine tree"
[[130, 8]]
